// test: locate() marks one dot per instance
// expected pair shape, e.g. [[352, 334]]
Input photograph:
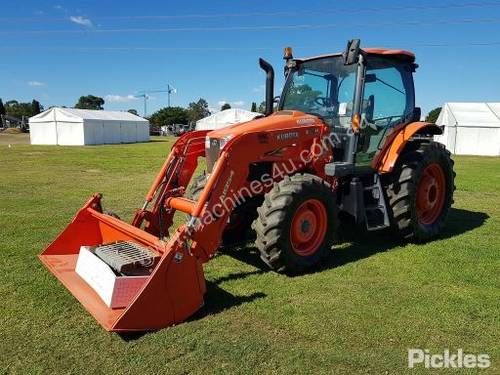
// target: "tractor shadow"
[[364, 244], [216, 301]]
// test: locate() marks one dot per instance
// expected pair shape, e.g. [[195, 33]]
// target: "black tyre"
[[420, 191], [238, 229], [296, 224]]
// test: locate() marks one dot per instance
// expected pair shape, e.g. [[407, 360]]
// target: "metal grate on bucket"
[[126, 257]]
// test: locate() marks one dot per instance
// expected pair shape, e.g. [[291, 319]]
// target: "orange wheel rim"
[[431, 191], [308, 227]]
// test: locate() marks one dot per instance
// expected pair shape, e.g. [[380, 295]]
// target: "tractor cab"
[[362, 94]]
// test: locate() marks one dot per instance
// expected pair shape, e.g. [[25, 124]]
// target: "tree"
[[15, 109], [90, 102], [262, 107], [37, 108], [2, 108], [169, 116], [133, 111], [197, 110], [254, 107], [301, 97], [433, 115], [225, 106]]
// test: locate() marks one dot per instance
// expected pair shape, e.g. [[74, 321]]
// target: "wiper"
[[391, 86]]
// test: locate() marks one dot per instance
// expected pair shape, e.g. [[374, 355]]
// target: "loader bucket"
[[172, 292]]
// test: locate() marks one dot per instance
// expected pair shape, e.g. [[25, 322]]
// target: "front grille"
[[212, 154], [126, 257]]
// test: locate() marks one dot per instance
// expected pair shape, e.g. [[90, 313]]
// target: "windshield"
[[323, 87]]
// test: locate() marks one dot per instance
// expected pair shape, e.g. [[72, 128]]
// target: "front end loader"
[[345, 143]]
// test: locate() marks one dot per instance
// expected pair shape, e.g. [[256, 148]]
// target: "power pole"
[[145, 97]]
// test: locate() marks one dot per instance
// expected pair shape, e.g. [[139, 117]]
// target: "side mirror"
[[276, 99], [417, 113], [352, 52]]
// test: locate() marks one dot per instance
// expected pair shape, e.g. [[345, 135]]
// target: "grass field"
[[374, 299]]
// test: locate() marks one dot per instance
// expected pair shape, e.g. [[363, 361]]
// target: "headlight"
[[223, 141], [213, 146]]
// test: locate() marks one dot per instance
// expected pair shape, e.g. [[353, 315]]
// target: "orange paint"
[[386, 159]]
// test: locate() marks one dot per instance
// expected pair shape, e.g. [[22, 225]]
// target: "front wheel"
[[237, 230], [297, 223], [420, 191]]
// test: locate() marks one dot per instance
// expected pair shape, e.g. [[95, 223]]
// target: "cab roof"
[[398, 54]]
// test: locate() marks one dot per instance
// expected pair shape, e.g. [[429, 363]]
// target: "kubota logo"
[[305, 121], [286, 136]]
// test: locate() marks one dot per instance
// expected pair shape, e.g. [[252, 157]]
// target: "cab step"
[[376, 216]]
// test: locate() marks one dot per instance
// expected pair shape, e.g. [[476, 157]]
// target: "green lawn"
[[374, 299]]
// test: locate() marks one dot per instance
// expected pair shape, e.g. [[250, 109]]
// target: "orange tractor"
[[345, 143]]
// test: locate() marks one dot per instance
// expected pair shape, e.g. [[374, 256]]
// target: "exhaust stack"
[[269, 85]]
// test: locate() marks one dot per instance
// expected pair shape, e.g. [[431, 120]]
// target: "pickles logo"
[[458, 359]]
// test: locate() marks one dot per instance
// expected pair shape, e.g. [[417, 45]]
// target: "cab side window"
[[388, 95], [388, 100]]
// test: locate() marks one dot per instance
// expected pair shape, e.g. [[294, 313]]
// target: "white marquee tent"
[[470, 128], [76, 127], [225, 118]]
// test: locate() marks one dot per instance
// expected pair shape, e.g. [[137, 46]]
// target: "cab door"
[[388, 100]]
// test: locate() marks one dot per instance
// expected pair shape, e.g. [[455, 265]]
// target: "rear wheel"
[[296, 224], [420, 191]]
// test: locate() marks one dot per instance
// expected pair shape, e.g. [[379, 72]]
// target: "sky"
[[56, 51]]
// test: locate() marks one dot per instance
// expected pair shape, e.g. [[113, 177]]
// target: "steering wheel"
[[321, 101]]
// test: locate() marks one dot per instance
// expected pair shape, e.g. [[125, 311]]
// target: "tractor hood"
[[276, 121]]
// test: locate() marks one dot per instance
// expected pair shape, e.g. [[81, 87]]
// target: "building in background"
[[77, 127], [225, 118], [470, 128]]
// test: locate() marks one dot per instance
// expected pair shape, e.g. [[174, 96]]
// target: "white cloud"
[[259, 88], [35, 83], [58, 7], [79, 20], [120, 98]]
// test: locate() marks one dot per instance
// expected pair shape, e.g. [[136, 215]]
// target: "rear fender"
[[395, 143]]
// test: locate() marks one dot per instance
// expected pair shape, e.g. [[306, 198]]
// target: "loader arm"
[[227, 184], [171, 181]]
